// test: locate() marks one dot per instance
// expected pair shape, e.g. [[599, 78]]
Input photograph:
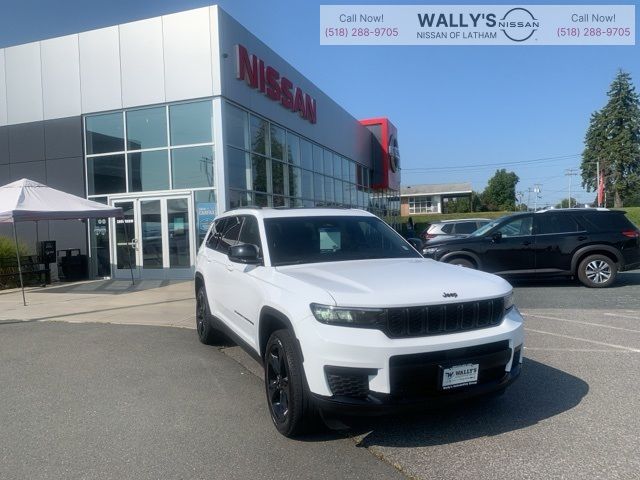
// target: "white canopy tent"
[[26, 200]]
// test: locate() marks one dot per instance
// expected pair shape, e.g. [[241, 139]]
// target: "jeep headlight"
[[508, 302], [349, 317]]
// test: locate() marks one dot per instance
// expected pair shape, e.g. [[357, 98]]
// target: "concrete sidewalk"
[[148, 302]]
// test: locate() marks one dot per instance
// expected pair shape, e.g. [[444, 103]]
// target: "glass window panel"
[[146, 128], [100, 258], [179, 244], [148, 171], [360, 198], [277, 142], [309, 203], [328, 189], [259, 171], [346, 193], [190, 123], [277, 177], [259, 135], [261, 199], [293, 148], [318, 187], [240, 199], [359, 175], [151, 229], [106, 174], [239, 169], [278, 201], [352, 172], [354, 194], [337, 166], [318, 161], [328, 162], [105, 133], [125, 232], [192, 167], [307, 184], [295, 182], [306, 155], [206, 210], [236, 127], [338, 191]]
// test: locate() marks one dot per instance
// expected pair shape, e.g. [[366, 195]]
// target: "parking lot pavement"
[[148, 302], [142, 402], [571, 415]]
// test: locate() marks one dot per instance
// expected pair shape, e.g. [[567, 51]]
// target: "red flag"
[[601, 189]]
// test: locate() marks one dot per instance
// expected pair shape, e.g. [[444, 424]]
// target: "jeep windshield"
[[297, 240]]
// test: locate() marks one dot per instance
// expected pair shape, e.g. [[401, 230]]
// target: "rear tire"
[[597, 271], [463, 262], [207, 333], [290, 404]]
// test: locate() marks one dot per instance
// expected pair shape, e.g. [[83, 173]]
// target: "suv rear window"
[[466, 227], [607, 221]]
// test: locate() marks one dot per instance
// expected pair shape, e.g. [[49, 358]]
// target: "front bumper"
[[389, 365]]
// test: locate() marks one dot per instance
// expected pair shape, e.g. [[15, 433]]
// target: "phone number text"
[[593, 32], [360, 32]]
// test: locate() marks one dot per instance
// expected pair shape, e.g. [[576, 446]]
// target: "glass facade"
[[268, 165], [421, 204]]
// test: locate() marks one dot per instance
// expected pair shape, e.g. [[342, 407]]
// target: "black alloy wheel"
[[278, 385], [207, 333]]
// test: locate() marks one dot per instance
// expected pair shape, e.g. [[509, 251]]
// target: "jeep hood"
[[397, 282]]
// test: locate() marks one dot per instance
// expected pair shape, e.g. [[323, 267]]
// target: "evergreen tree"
[[613, 139]]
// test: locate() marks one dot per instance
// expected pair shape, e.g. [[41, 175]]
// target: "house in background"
[[424, 199]]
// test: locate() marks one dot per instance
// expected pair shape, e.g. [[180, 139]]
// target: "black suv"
[[592, 244]]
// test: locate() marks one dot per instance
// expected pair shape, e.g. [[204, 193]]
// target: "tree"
[[566, 203], [613, 139], [500, 193]]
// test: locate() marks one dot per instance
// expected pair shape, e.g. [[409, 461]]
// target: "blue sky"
[[453, 106]]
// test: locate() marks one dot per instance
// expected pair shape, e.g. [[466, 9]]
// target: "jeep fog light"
[[349, 317]]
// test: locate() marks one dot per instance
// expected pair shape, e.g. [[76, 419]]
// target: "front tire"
[[290, 404], [207, 333], [597, 271], [462, 262]]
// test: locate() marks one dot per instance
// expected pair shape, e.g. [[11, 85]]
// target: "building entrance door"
[[156, 236]]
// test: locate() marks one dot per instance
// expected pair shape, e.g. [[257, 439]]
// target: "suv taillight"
[[631, 233]]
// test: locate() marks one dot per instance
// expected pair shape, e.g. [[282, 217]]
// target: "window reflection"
[[190, 123], [147, 128], [106, 174], [192, 167], [105, 133], [148, 171]]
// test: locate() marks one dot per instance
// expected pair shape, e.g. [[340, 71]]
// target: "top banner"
[[477, 25]]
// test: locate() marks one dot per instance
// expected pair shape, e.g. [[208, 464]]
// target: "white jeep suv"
[[346, 316]]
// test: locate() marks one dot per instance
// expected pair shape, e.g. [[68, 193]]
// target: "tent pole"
[[126, 234], [15, 237]]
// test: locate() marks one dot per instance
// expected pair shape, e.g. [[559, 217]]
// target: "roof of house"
[[436, 189]]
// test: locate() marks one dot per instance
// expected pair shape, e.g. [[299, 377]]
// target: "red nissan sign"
[[277, 87]]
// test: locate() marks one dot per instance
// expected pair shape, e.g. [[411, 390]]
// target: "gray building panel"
[[5, 174], [66, 174], [63, 137], [68, 234], [4, 147], [32, 170], [26, 142]]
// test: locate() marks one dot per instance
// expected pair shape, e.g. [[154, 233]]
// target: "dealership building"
[[177, 119]]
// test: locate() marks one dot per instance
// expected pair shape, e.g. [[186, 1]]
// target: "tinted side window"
[[447, 227], [466, 227], [250, 232], [216, 231], [554, 223], [229, 236], [517, 228], [606, 221]]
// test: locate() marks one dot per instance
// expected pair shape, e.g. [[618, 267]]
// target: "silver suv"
[[460, 227]]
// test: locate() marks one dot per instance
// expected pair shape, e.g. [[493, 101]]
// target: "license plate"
[[460, 375]]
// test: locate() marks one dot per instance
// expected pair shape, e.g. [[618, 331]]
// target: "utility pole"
[[537, 188], [571, 172], [529, 199]]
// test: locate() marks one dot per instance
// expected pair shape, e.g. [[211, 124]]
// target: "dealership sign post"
[[477, 25]]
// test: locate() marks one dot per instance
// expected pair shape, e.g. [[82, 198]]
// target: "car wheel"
[[597, 271], [463, 262], [207, 333], [290, 405]]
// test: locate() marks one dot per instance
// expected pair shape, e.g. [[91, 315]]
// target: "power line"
[[498, 164]]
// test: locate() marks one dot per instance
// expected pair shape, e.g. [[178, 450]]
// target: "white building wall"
[[3, 91], [61, 77], [142, 63], [24, 83], [100, 79]]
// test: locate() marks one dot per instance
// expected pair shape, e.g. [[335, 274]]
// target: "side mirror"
[[415, 243], [496, 237], [245, 253]]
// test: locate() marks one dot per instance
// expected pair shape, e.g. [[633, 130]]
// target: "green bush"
[[8, 248]]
